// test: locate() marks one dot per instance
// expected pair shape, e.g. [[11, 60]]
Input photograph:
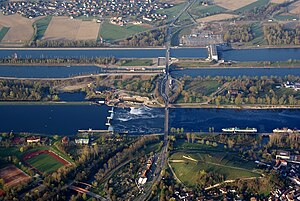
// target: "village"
[[120, 11]]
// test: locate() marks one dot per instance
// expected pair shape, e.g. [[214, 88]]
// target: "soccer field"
[[44, 163]]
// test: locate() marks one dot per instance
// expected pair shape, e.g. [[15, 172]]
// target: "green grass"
[[137, 62], [3, 32], [285, 17], [111, 32], [173, 11], [201, 11], [251, 6], [206, 87], [41, 26], [227, 164], [257, 30], [44, 163]]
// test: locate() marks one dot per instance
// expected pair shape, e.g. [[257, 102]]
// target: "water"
[[139, 120], [52, 119], [67, 119], [189, 53], [47, 71], [263, 120], [73, 97], [149, 120], [272, 54], [235, 72]]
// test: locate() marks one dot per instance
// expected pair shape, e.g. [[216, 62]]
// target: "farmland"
[[41, 26], [294, 8], [13, 175], [20, 28], [64, 28], [218, 17], [209, 159], [233, 4], [3, 32]]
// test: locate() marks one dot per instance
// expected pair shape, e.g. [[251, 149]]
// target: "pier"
[[213, 52]]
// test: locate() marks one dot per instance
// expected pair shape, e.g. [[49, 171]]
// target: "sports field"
[[12, 176], [44, 161]]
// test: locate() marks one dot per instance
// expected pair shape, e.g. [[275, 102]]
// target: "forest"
[[278, 35]]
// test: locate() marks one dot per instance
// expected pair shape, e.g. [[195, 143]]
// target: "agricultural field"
[[224, 163], [111, 32], [233, 4], [20, 28], [64, 28], [278, 1], [218, 17], [3, 32], [294, 8], [12, 176], [41, 26], [45, 161], [256, 4]]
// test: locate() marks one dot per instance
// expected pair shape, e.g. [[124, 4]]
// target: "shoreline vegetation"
[[185, 105]]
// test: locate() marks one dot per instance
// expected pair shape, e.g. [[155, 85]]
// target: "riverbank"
[[240, 107]]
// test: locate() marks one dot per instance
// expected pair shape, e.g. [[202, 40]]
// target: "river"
[[263, 54], [235, 72], [52, 119], [67, 119]]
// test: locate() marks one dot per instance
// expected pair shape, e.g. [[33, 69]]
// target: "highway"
[[164, 92]]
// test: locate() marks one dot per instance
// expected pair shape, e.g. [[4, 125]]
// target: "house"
[[283, 155], [65, 140], [82, 141], [33, 139]]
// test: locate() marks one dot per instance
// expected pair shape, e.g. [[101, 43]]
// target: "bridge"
[[87, 192]]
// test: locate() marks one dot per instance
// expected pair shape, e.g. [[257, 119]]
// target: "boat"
[[240, 130], [285, 130], [107, 124]]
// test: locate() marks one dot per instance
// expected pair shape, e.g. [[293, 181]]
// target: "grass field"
[[111, 32], [3, 32], [249, 7], [286, 17], [200, 11], [44, 163], [173, 11], [137, 62], [205, 87], [210, 159], [41, 26]]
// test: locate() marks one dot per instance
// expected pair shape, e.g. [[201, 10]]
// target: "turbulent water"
[[150, 120], [138, 120]]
